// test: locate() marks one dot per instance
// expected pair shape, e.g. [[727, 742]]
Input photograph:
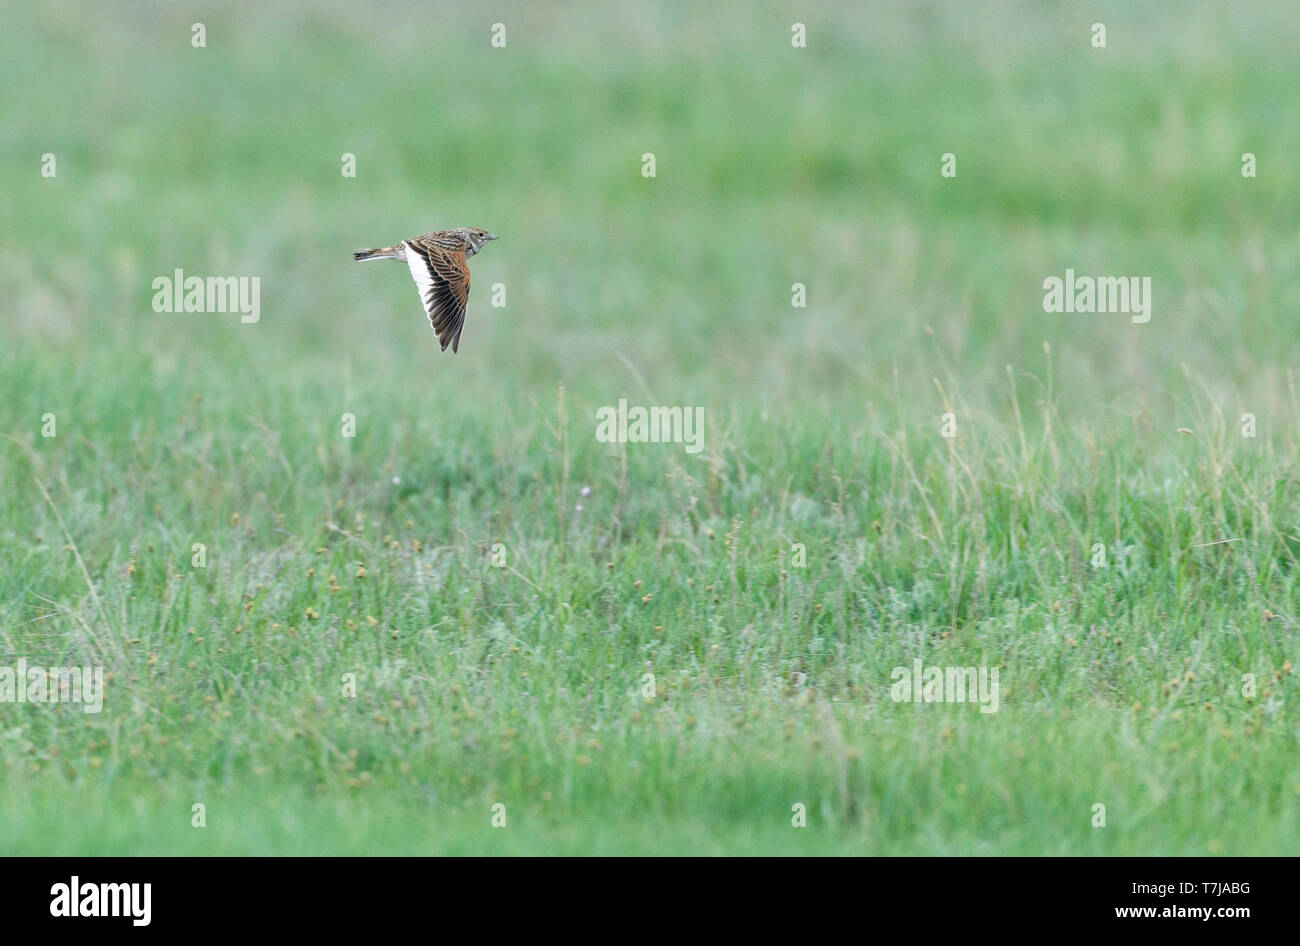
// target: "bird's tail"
[[387, 252]]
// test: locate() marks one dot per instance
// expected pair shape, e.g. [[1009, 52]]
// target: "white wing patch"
[[423, 278]]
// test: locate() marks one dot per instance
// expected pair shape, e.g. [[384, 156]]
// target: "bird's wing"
[[442, 276]]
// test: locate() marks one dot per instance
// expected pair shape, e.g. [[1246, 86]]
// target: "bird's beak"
[[493, 236]]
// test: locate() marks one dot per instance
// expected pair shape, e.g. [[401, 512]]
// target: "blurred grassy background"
[[775, 165]]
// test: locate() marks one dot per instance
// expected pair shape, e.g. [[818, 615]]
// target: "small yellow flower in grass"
[[311, 614], [361, 571], [130, 569], [710, 533], [659, 629], [645, 599], [690, 583], [637, 583], [234, 520], [311, 573], [372, 621], [275, 627]]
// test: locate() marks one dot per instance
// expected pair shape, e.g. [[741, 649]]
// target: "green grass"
[[521, 685]]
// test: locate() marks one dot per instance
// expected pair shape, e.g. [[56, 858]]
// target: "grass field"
[[517, 677]]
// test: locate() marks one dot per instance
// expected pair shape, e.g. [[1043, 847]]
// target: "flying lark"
[[438, 262]]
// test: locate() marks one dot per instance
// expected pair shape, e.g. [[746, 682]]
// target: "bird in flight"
[[438, 262]]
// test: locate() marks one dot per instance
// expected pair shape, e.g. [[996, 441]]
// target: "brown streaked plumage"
[[439, 265]]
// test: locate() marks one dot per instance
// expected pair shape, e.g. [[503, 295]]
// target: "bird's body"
[[438, 263]]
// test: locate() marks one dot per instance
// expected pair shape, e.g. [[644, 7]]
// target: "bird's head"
[[476, 238]]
